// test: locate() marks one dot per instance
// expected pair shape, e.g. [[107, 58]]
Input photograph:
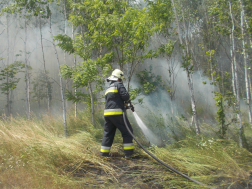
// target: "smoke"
[[14, 24], [147, 132], [160, 101], [159, 110]]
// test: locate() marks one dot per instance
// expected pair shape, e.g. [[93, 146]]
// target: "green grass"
[[35, 154]]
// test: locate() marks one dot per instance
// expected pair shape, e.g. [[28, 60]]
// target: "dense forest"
[[187, 67]]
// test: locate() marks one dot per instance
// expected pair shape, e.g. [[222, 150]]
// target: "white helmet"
[[116, 74]]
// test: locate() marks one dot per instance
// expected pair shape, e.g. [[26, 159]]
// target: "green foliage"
[[83, 75], [219, 12], [65, 43], [187, 63], [117, 27], [31, 7], [167, 48], [220, 113], [42, 87], [9, 79], [220, 98], [10, 72], [134, 93], [160, 13], [149, 81]]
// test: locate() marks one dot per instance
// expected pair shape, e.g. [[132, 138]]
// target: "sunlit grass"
[[35, 154]]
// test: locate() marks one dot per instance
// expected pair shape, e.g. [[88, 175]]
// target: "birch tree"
[[245, 57], [7, 63], [188, 68], [61, 83], [43, 12], [237, 92]]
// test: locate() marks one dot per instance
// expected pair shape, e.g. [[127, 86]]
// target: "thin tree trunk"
[[232, 66], [27, 100], [89, 84], [65, 32], [43, 55], [236, 79], [75, 89], [250, 43], [61, 83], [11, 99], [8, 59], [245, 63], [190, 85], [92, 102]]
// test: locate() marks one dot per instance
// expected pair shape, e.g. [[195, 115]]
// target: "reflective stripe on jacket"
[[115, 96]]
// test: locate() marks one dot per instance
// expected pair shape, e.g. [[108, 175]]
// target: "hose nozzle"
[[128, 105]]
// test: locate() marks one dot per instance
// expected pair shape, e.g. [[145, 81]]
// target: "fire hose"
[[154, 157]]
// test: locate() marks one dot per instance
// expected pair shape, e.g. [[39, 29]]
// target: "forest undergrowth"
[[35, 154]]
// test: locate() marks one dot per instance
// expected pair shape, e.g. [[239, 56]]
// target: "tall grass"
[[35, 154]]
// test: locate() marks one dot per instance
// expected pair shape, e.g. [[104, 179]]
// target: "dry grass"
[[35, 154]]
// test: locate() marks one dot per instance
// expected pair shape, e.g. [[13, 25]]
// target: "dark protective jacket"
[[115, 96]]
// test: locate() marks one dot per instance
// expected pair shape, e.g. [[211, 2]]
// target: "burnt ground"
[[138, 172], [135, 172]]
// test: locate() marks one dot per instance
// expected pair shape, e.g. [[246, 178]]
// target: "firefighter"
[[115, 97]]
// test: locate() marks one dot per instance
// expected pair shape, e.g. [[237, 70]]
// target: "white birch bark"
[[61, 83], [245, 63], [232, 66], [190, 85], [236, 78], [250, 43]]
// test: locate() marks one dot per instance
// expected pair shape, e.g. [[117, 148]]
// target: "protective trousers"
[[111, 124]]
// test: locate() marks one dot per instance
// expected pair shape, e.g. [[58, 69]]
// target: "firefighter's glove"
[[132, 108]]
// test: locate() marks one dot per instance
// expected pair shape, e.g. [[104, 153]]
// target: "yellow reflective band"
[[128, 147], [111, 91], [103, 150], [113, 113]]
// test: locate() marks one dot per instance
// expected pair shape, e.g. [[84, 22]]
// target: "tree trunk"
[[245, 63], [190, 85], [250, 43], [27, 90], [8, 59], [75, 89], [92, 102], [65, 32], [43, 55], [61, 83], [236, 78], [232, 66]]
